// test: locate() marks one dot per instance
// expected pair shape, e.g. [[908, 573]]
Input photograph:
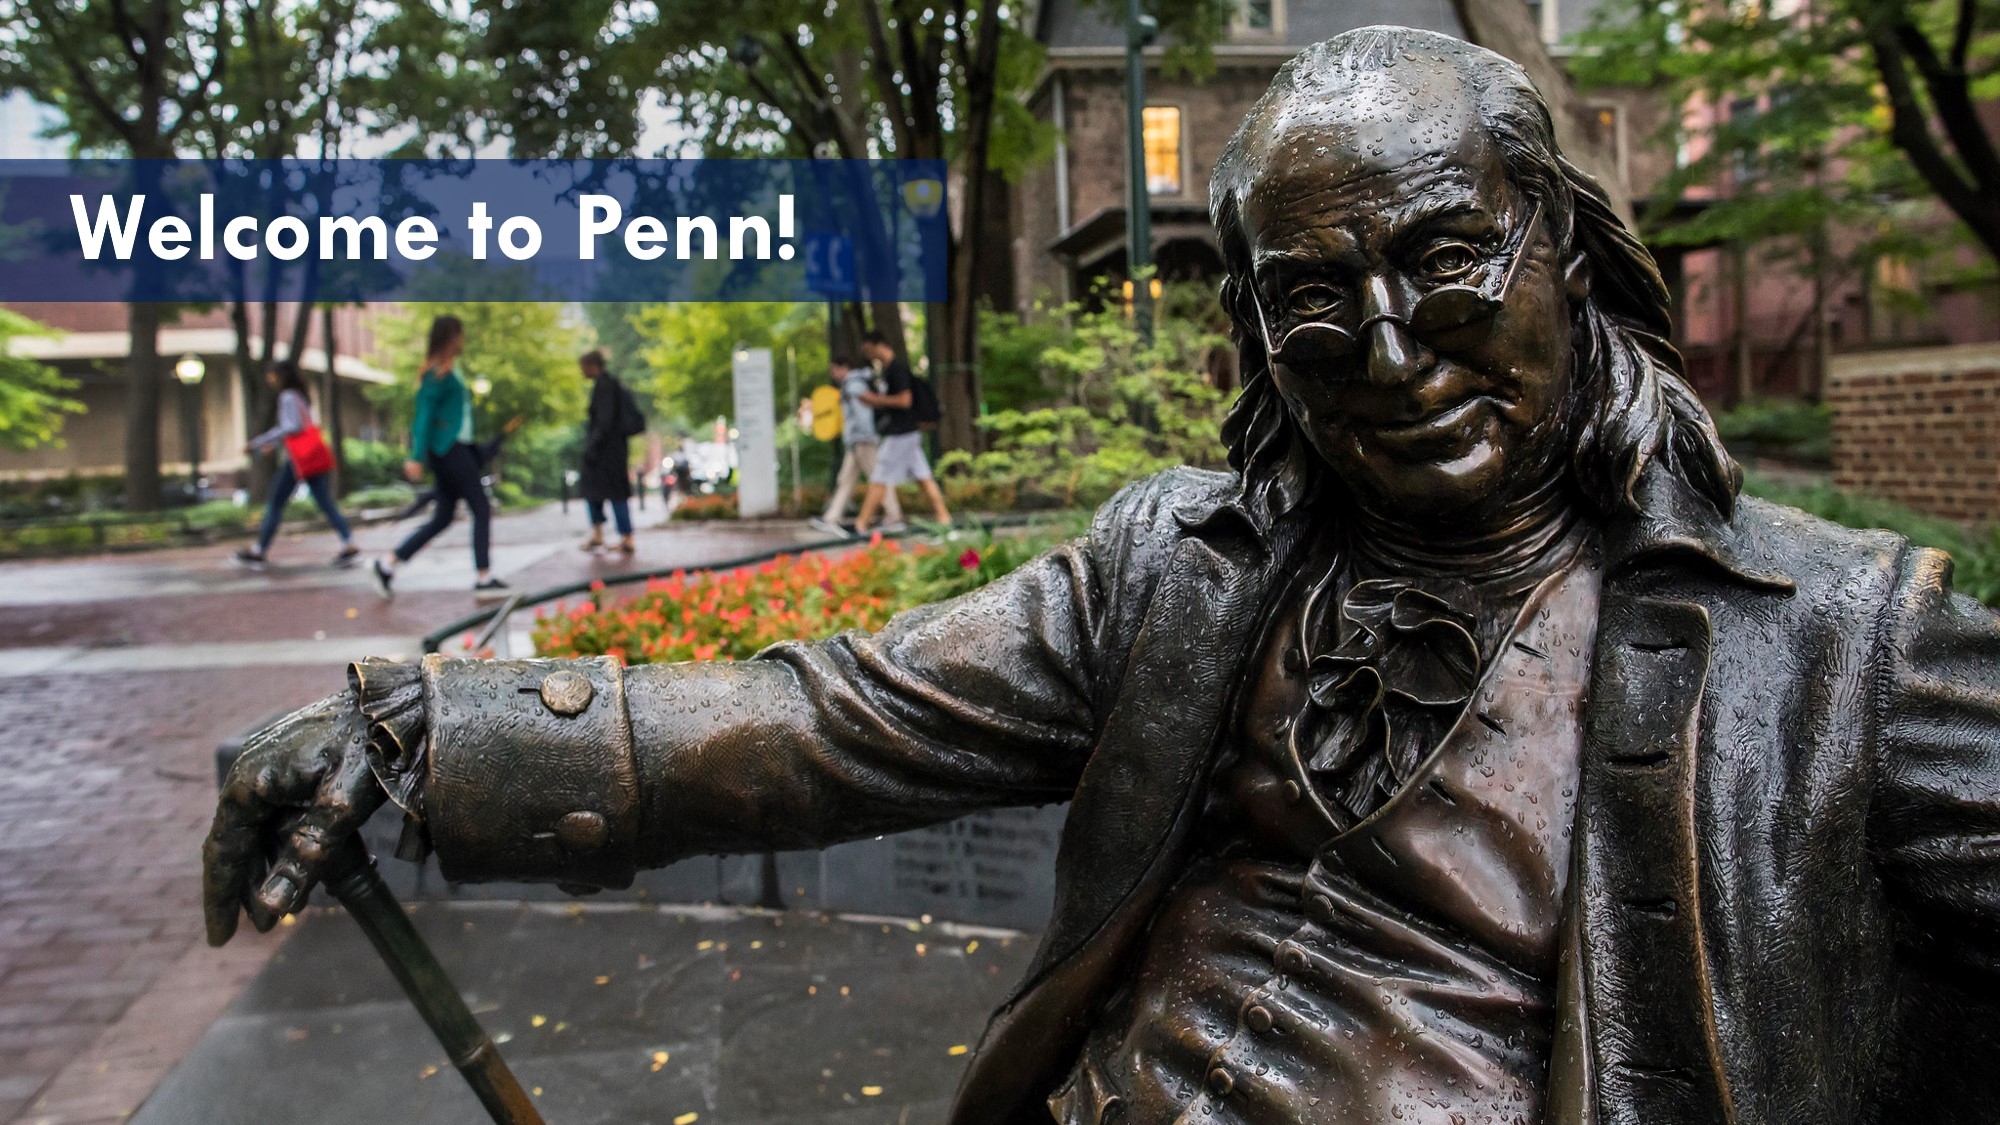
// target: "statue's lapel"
[[1644, 1043]]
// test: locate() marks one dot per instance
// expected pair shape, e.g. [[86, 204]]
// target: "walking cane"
[[352, 879]]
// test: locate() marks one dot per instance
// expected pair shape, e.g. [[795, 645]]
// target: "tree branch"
[[885, 76], [1961, 37], [1955, 110], [1910, 131], [92, 94]]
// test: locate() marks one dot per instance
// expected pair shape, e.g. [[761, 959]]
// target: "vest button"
[[1258, 1018], [566, 693], [1292, 792], [1221, 1081]]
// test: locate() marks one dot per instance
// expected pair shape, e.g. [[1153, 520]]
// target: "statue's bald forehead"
[[1377, 116]]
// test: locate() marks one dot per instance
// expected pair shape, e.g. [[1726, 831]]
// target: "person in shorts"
[[859, 444], [899, 459]]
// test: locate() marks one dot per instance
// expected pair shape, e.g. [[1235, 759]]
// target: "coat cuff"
[[530, 775]]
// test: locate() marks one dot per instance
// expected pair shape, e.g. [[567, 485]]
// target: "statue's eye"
[[1313, 301], [1448, 261]]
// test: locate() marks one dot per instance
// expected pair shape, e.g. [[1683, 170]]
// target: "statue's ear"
[[1576, 278]]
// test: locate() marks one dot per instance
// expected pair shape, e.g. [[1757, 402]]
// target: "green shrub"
[[1126, 409], [369, 464], [1791, 429]]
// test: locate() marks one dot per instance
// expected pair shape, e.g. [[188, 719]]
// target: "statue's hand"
[[301, 787]]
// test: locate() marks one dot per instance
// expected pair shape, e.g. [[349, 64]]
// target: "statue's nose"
[[1393, 355]]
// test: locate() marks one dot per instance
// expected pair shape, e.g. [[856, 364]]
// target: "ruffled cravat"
[[1401, 663]]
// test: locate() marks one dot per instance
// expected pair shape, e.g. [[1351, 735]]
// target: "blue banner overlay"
[[488, 230]]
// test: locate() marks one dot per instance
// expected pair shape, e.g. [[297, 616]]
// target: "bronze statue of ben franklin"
[[1470, 753]]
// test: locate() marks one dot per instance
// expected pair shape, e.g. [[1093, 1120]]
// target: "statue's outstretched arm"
[[581, 772]]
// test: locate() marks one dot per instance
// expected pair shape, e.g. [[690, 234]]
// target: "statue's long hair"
[[1633, 406]]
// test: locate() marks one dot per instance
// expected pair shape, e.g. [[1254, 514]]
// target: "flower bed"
[[732, 614]]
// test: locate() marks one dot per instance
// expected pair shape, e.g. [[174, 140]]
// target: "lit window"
[[1163, 149]]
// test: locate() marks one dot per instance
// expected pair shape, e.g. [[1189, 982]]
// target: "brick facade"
[[1921, 427]]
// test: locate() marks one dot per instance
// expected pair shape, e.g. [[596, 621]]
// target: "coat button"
[[566, 693], [1323, 906], [1292, 792], [1293, 960], [1221, 1081], [1258, 1019], [582, 833], [1294, 660]]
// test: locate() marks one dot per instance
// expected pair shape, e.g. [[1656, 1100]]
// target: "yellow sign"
[[923, 197], [826, 412]]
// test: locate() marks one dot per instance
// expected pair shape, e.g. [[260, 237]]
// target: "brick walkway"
[[106, 787], [107, 783]]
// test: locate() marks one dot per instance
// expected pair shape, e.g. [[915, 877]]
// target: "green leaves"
[[34, 397]]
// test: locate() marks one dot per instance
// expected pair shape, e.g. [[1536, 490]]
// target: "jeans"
[[457, 475], [621, 513], [282, 487]]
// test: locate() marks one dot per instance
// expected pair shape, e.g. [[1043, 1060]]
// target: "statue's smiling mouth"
[[1438, 423]]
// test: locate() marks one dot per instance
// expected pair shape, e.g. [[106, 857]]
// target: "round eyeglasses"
[[1448, 319]]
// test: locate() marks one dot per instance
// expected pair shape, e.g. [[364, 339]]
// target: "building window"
[[1263, 19], [1163, 149]]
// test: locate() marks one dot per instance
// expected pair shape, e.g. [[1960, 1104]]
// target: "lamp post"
[[1140, 31], [189, 370]]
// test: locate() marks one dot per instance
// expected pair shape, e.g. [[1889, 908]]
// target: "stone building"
[[91, 344], [1068, 215]]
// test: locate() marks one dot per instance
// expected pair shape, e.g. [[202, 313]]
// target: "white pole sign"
[[756, 434]]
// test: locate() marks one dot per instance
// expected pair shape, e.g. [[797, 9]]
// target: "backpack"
[[631, 419], [924, 403]]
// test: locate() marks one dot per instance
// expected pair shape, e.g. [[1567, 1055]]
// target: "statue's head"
[[1433, 306]]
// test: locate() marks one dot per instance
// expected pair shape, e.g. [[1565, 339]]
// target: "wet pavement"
[[622, 1015], [118, 677]]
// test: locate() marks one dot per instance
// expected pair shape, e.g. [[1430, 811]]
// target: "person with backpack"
[[904, 405], [307, 458], [614, 420], [852, 386]]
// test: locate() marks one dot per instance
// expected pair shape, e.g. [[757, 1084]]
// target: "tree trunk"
[[1507, 28], [1746, 371], [330, 403], [142, 409]]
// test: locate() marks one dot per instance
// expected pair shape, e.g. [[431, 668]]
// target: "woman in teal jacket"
[[441, 439]]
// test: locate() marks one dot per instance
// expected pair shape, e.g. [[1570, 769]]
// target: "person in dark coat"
[[1470, 751], [613, 421]]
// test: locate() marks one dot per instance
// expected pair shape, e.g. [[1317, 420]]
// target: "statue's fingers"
[[232, 856], [344, 804]]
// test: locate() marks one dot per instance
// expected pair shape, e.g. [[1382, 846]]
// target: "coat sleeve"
[[1935, 823], [580, 772]]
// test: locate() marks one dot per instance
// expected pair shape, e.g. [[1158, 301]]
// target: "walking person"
[[614, 420], [441, 439], [859, 442], [307, 458], [899, 419]]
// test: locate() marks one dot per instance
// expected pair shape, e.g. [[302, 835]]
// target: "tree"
[[34, 397], [1507, 27], [128, 77], [525, 352], [688, 348], [1835, 110], [855, 79]]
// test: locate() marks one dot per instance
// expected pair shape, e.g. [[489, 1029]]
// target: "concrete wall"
[[1920, 426]]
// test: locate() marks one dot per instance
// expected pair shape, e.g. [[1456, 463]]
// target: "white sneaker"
[[827, 527]]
